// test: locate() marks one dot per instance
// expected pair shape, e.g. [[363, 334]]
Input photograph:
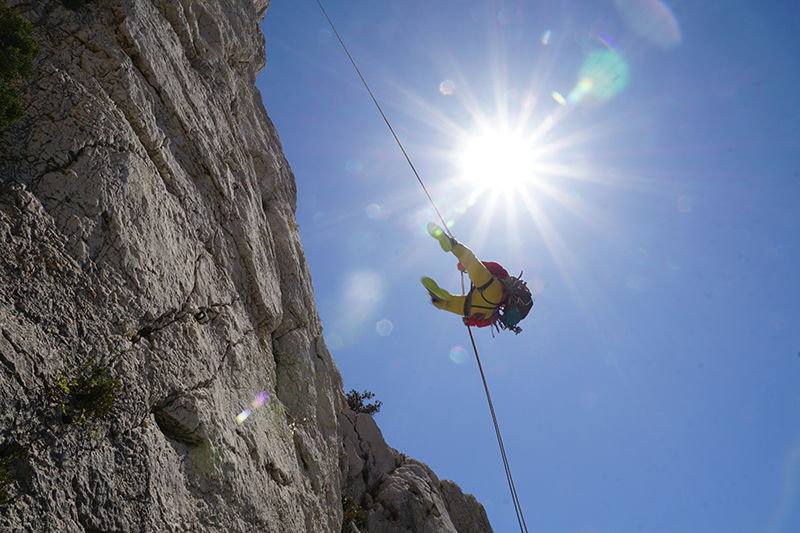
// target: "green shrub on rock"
[[354, 514], [17, 52], [357, 402], [86, 394]]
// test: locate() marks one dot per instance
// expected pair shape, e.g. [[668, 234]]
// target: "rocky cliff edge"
[[148, 249]]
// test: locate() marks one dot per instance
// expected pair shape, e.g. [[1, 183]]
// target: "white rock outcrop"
[[147, 225], [396, 493]]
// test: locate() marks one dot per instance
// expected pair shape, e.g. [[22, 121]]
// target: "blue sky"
[[653, 205]]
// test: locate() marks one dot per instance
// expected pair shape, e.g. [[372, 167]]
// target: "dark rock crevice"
[[9, 365]]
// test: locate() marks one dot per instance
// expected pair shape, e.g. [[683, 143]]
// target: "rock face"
[[147, 228], [398, 494]]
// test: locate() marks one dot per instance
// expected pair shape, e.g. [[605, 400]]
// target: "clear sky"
[[640, 161]]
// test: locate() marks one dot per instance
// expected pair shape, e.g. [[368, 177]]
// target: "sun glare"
[[497, 157]]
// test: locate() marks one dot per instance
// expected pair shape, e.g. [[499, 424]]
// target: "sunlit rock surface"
[[397, 493], [147, 223]]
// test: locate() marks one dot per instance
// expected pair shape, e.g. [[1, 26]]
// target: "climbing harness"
[[482, 319], [512, 488]]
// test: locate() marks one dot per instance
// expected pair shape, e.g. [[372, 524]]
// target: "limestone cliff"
[[400, 494], [147, 229]]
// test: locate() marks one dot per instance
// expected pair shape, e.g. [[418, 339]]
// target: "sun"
[[497, 157]]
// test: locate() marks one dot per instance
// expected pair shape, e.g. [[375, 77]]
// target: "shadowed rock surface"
[[147, 225]]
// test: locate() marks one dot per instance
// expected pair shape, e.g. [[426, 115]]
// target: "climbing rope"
[[512, 488], [385, 119]]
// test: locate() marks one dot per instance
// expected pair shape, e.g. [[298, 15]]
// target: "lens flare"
[[653, 20], [606, 41], [258, 402], [361, 293], [364, 289], [384, 327], [241, 417], [458, 354], [603, 75], [447, 87]]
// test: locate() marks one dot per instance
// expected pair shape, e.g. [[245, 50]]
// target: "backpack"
[[495, 269], [517, 305]]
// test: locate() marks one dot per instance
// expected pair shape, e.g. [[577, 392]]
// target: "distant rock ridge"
[[147, 230]]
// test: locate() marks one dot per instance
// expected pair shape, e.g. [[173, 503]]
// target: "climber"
[[494, 299]]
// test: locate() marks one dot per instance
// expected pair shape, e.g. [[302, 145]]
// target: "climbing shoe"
[[436, 293], [445, 241]]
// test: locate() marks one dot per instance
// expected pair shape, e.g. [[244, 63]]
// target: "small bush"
[[354, 513], [17, 52], [356, 400], [87, 394]]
